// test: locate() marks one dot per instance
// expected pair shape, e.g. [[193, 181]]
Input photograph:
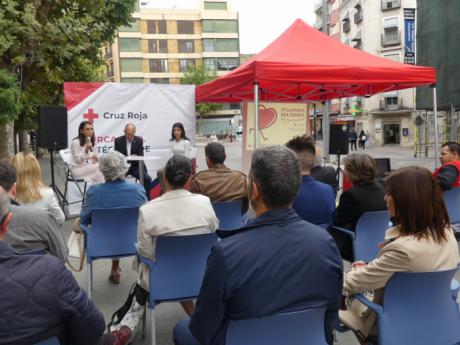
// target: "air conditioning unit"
[[390, 4]]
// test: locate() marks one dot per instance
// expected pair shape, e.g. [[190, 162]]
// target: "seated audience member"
[[30, 190], [177, 212], [448, 174], [422, 241], [41, 299], [315, 202], [324, 174], [32, 228], [115, 192], [84, 153], [366, 195], [220, 183], [132, 145], [244, 279]]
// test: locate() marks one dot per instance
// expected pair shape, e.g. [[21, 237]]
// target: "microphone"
[[88, 140]]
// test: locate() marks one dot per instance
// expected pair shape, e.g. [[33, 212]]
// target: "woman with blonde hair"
[[30, 190]]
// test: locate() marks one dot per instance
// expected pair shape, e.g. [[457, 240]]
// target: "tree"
[[48, 42], [9, 110], [197, 75]]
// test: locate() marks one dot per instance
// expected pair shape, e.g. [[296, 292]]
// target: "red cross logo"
[[91, 115]]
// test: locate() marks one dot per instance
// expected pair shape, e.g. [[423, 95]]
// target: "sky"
[[261, 21]]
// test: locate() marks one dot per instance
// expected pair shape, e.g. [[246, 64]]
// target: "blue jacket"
[[112, 194], [277, 263], [315, 202], [40, 298]]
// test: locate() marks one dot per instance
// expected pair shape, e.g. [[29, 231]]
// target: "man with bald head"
[[132, 145]]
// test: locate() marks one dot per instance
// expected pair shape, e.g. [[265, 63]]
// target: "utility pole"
[[325, 124]]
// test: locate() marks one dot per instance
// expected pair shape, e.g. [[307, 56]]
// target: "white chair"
[[67, 159]]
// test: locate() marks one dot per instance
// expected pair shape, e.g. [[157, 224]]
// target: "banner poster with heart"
[[278, 123]]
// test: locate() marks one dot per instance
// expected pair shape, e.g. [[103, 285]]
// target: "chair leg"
[[152, 327], [144, 322], [89, 272]]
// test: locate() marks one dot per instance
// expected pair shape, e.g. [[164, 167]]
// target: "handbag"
[[75, 246]]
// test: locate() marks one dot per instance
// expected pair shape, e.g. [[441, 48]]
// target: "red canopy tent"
[[304, 64]]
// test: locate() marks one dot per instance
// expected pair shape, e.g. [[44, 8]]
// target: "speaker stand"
[[59, 195], [339, 169]]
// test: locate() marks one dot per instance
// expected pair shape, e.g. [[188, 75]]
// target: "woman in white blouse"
[[30, 190], [84, 155], [179, 143]]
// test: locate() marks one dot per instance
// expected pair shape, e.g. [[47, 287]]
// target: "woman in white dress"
[[84, 155], [30, 190], [179, 143]]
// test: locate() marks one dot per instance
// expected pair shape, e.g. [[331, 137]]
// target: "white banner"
[[152, 108]]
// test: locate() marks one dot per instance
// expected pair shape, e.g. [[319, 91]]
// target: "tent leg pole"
[[256, 115], [435, 110]]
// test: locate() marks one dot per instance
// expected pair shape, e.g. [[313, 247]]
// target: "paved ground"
[[109, 297]]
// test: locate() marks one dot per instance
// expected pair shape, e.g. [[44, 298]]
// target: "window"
[[186, 46], [158, 46], [130, 44], [132, 80], [132, 27], [209, 5], [220, 45], [131, 65], [185, 27], [156, 26], [210, 64], [184, 64], [158, 65], [220, 26], [391, 100], [159, 80], [227, 64]]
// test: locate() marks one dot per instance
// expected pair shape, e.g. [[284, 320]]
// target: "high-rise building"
[[377, 27], [161, 44]]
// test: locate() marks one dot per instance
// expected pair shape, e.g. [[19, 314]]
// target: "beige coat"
[[177, 212], [398, 254]]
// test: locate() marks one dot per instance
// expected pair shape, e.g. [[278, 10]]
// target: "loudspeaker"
[[52, 122], [338, 139]]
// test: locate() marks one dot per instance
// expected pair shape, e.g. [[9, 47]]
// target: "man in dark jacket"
[[277, 263], [132, 145], [40, 298]]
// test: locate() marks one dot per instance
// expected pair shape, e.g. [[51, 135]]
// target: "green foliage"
[[9, 92], [197, 75], [48, 42]]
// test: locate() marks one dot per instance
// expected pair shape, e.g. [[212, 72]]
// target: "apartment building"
[[161, 44], [377, 27]]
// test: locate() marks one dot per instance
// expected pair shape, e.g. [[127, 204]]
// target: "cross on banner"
[[91, 115]]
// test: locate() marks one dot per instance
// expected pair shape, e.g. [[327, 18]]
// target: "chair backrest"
[[419, 309], [66, 156], [370, 231], [179, 266], [50, 341], [452, 199], [305, 327], [113, 232], [229, 214]]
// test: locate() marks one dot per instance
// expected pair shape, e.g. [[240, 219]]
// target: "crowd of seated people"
[[284, 259]]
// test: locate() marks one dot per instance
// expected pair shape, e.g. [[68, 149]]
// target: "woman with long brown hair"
[[30, 189], [421, 241]]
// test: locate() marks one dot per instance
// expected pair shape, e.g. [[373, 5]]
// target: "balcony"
[[392, 39], [318, 25], [358, 16], [319, 6], [390, 4]]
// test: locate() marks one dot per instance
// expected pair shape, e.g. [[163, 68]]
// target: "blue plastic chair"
[[50, 341], [305, 327], [112, 234], [370, 231], [177, 272], [452, 199], [418, 309], [229, 214]]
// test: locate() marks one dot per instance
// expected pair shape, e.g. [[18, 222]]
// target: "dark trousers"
[[353, 144], [344, 244], [182, 334], [134, 171]]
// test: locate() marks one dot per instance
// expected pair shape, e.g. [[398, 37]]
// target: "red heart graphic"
[[267, 117]]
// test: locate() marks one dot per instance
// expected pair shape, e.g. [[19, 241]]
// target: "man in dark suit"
[[131, 145]]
